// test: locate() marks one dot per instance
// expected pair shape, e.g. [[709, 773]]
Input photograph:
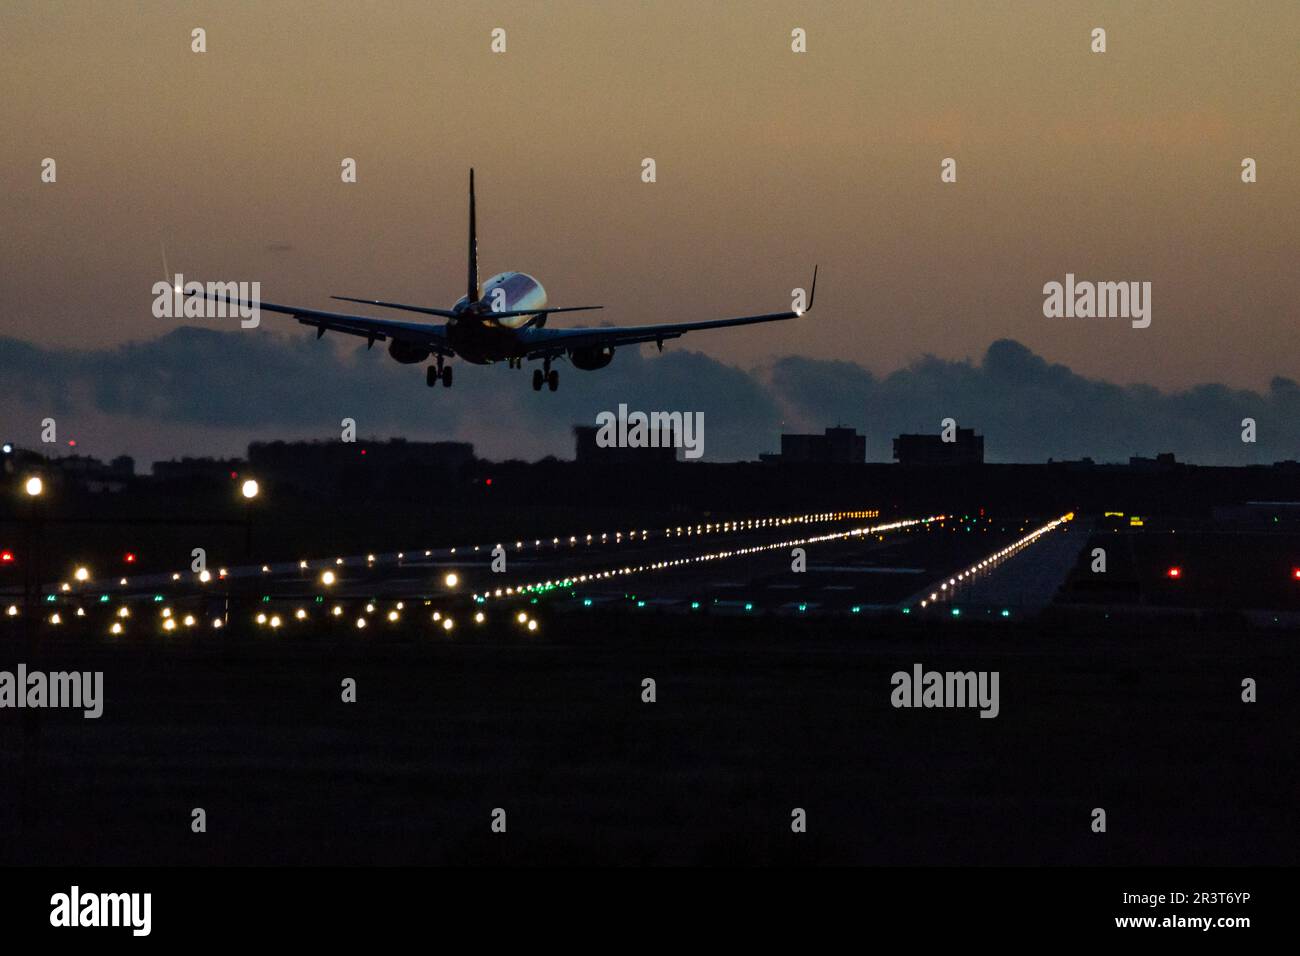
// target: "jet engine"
[[408, 353], [592, 358]]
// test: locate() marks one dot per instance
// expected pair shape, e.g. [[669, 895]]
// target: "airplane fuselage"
[[476, 333]]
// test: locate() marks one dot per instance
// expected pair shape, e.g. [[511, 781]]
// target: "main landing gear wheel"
[[431, 376], [553, 379], [446, 376], [434, 374], [537, 380]]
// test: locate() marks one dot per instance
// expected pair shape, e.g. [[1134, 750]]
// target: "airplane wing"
[[449, 314], [544, 342], [432, 337]]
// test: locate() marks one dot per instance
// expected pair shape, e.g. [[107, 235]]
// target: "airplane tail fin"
[[472, 289]]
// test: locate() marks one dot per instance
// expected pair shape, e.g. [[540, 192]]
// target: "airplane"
[[503, 319]]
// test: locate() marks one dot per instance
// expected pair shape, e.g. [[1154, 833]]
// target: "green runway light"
[[1006, 613], [157, 598], [956, 612], [640, 603], [533, 601], [907, 610], [749, 607], [103, 599], [695, 605], [856, 609], [586, 602], [266, 599], [803, 607]]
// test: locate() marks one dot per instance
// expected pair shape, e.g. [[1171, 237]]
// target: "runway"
[[852, 563]]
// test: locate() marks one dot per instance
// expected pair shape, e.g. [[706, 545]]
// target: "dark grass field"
[[754, 717]]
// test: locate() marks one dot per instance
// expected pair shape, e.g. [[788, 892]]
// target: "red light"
[[129, 557], [363, 451], [234, 475], [1295, 573], [1174, 572], [7, 557], [489, 482]]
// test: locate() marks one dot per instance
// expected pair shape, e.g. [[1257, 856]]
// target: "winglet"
[[168, 277], [472, 278], [812, 294]]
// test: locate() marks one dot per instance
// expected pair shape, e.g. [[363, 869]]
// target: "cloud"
[[202, 391]]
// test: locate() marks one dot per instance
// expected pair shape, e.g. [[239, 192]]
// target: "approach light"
[[34, 486], [1174, 572], [451, 580], [6, 557], [327, 578], [479, 618], [116, 628], [448, 624], [205, 576], [522, 617], [249, 489], [169, 624]]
